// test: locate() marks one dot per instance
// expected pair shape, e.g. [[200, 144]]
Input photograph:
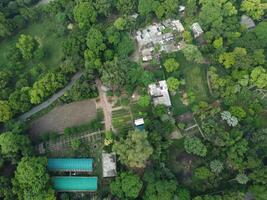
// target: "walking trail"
[[106, 106], [52, 99]]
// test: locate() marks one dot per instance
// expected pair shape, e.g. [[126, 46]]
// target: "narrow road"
[[106, 106], [52, 99], [43, 2]]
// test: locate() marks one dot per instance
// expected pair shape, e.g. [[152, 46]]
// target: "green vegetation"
[[217, 83]]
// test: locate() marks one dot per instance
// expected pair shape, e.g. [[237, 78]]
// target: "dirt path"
[[52, 99], [105, 105]]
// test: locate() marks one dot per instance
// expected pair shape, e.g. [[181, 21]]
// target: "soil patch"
[[61, 117]]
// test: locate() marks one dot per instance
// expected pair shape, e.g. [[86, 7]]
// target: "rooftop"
[[197, 30], [247, 21], [70, 164], [109, 165], [74, 184], [159, 93]]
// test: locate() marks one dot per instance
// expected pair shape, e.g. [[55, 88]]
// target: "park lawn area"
[[44, 31], [195, 77]]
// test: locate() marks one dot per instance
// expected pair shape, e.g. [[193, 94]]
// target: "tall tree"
[[194, 146], [31, 180], [84, 14], [253, 8], [26, 45], [135, 150], [126, 185], [5, 111]]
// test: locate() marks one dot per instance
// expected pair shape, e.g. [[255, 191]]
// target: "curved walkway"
[[52, 99]]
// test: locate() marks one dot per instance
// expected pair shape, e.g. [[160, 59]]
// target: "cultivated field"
[[62, 117]]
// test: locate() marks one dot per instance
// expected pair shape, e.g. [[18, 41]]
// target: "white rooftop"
[[109, 165], [197, 30], [247, 21], [159, 93], [139, 122]]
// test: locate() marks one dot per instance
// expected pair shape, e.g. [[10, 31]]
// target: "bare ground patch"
[[61, 117]]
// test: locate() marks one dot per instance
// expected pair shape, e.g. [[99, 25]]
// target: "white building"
[[159, 93], [109, 165], [197, 30]]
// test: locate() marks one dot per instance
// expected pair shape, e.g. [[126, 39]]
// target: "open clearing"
[[44, 32], [61, 117]]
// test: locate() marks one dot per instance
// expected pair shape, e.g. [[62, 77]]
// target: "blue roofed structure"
[[70, 164]]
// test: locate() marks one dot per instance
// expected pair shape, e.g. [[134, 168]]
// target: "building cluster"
[[158, 35]]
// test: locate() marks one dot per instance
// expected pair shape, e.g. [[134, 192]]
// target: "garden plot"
[[122, 119]]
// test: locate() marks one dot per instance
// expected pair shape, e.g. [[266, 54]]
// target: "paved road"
[[52, 99]]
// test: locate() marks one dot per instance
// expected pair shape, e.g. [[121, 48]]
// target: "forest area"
[[209, 144]]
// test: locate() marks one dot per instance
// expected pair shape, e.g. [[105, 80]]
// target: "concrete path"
[[43, 2], [106, 106], [52, 99]]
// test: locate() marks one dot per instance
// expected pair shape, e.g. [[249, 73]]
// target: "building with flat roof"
[[74, 184], [159, 93], [197, 30], [109, 165], [139, 124], [70, 164]]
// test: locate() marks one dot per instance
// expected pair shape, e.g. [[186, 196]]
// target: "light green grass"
[[45, 33]]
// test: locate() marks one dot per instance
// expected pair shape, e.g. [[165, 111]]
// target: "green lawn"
[[45, 32]]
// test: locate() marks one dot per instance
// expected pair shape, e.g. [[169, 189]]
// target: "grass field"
[[44, 32]]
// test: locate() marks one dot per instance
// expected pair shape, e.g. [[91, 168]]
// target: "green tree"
[[126, 6], [13, 144], [20, 100], [238, 112], [194, 146], [160, 190], [95, 41], [202, 173], [145, 7], [26, 45], [126, 185], [46, 86], [173, 84], [171, 65], [183, 194], [216, 166], [104, 7], [260, 31], [135, 150], [253, 8], [242, 179], [84, 14], [5, 111], [120, 23], [218, 43], [259, 77], [144, 101], [31, 181], [192, 53], [4, 28], [187, 37]]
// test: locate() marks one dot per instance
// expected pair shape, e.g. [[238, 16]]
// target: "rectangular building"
[[70, 164], [74, 184], [159, 93]]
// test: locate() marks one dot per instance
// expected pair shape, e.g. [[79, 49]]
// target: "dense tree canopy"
[[135, 150]]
